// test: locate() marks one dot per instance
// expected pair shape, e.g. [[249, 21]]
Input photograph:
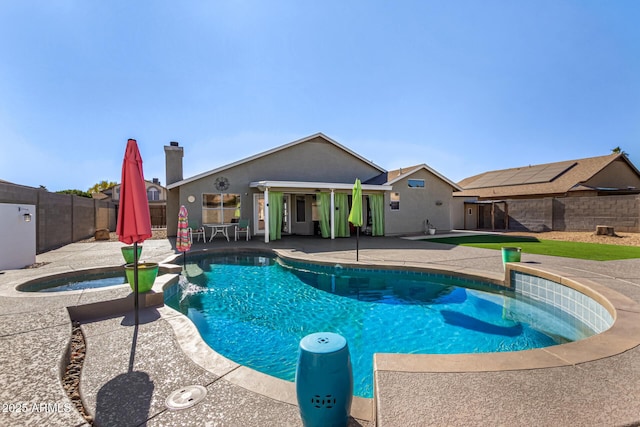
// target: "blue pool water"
[[80, 282], [255, 310]]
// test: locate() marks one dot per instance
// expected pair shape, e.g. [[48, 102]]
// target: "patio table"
[[220, 228]]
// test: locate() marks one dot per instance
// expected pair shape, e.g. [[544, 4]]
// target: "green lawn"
[[591, 251]]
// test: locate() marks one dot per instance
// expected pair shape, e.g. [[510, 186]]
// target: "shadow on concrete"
[[125, 400], [146, 315]]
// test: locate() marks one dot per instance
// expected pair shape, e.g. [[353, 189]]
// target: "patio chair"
[[195, 230], [243, 227]]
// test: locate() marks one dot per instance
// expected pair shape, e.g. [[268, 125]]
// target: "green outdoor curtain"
[[376, 202], [324, 212], [275, 215], [341, 201]]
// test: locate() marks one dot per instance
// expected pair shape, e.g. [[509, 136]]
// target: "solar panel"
[[525, 175], [552, 171]]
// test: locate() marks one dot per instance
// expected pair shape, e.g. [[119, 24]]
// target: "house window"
[[220, 208], [153, 194], [416, 183], [395, 201]]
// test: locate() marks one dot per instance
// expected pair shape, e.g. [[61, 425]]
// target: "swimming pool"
[[254, 309]]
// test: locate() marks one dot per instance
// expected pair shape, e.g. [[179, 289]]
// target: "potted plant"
[[147, 273], [511, 254], [127, 253], [429, 228]]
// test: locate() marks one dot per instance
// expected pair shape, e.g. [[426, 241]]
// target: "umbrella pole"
[[357, 243], [135, 280]]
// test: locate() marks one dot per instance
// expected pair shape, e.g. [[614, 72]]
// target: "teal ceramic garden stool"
[[324, 380]]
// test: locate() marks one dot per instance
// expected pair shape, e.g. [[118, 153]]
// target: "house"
[[539, 197], [304, 188], [156, 195]]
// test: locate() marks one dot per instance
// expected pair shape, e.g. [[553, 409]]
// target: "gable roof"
[[549, 178], [271, 151], [396, 175], [146, 181]]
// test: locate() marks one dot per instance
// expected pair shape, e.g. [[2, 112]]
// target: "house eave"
[[455, 186], [316, 185]]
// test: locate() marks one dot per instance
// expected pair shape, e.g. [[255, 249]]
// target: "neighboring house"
[[538, 197], [156, 195], [304, 188]]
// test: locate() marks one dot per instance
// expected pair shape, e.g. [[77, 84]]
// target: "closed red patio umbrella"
[[134, 220]]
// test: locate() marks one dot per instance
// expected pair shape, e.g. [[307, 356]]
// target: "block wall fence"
[[575, 213], [61, 218]]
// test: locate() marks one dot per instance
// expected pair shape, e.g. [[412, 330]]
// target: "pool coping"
[[623, 335]]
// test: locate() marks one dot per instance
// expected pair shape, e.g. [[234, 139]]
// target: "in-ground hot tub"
[[96, 278]]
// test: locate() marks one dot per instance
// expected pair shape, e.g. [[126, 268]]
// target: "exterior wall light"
[[26, 215]]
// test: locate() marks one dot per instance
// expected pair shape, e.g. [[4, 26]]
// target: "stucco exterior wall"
[[433, 202], [315, 160], [458, 213], [617, 174]]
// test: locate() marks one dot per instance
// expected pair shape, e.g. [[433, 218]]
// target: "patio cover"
[[311, 187]]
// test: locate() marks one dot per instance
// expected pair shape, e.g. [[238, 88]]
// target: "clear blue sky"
[[463, 86]]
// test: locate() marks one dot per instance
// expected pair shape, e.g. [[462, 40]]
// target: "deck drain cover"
[[185, 397]]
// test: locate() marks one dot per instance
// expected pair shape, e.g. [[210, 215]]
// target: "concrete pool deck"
[[128, 372]]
